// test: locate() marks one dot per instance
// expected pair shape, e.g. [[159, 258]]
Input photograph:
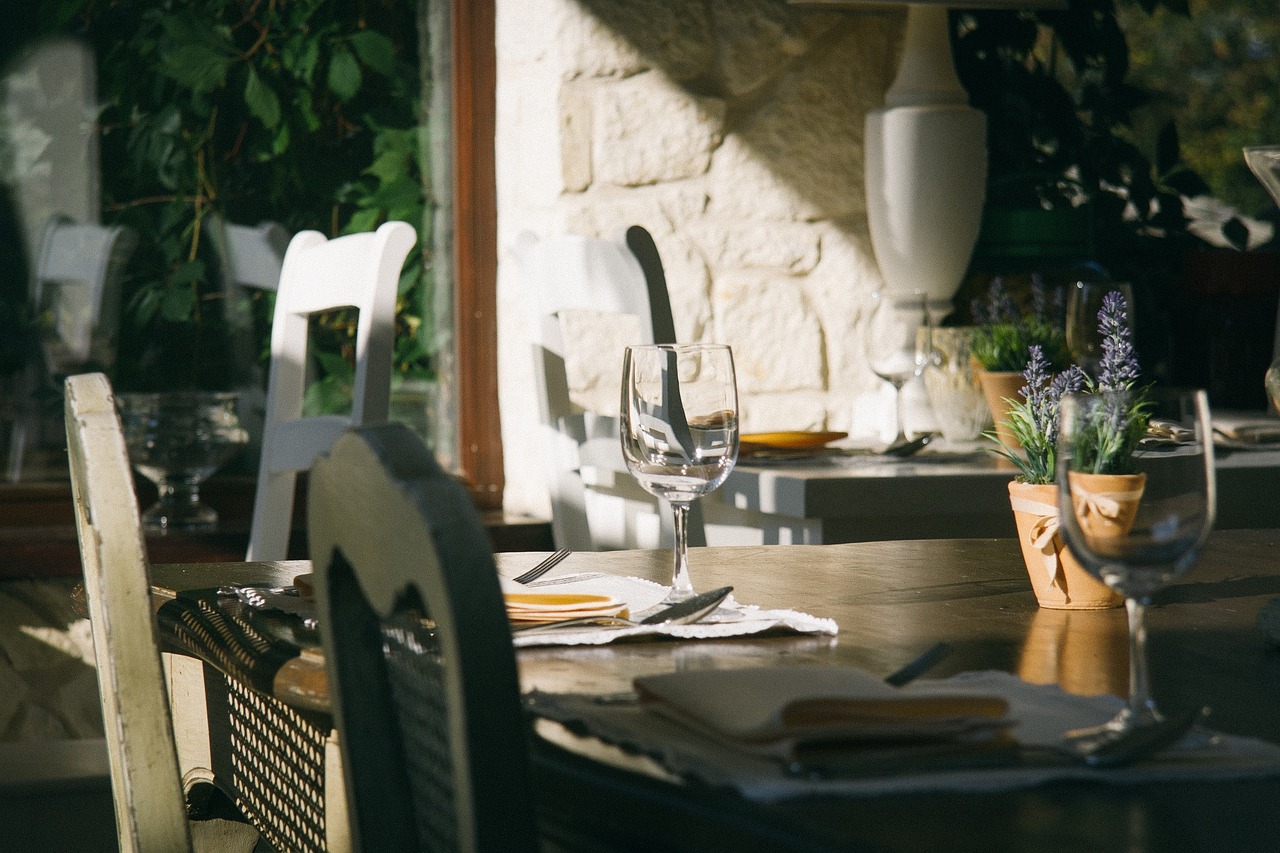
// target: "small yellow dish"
[[787, 440]]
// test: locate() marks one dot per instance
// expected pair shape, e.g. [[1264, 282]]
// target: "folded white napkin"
[[790, 712], [641, 597], [527, 605]]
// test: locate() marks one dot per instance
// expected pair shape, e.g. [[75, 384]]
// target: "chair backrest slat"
[[145, 780], [356, 270]]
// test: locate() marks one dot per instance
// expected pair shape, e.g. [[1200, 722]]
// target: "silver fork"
[[543, 567]]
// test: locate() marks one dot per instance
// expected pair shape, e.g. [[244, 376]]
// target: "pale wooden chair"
[[74, 293], [422, 675], [147, 787], [357, 270], [595, 502]]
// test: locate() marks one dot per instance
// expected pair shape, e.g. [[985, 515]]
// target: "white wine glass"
[[679, 430], [1172, 501], [895, 350]]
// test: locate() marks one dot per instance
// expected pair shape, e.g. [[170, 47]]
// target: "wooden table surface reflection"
[[894, 599]]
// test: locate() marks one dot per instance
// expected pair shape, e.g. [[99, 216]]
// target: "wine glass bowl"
[[177, 440], [679, 430], [1084, 301], [1135, 532]]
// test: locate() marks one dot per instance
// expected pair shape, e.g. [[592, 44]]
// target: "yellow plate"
[[788, 440]]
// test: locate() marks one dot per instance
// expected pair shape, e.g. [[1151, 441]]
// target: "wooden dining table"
[[892, 600]]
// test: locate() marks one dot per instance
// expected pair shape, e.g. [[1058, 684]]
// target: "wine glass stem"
[[899, 414], [1141, 707], [681, 586], [180, 492]]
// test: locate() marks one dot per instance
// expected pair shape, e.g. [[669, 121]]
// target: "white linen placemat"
[[1043, 713], [731, 619]]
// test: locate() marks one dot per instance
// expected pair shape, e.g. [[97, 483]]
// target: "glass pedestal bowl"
[[177, 439]]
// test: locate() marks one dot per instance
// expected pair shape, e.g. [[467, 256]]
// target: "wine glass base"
[[186, 518], [1123, 723]]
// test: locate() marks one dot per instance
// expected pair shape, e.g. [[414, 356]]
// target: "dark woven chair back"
[[422, 673]]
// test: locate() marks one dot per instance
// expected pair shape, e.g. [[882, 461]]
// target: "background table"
[[863, 500]]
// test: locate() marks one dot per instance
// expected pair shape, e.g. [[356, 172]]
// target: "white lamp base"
[[926, 174]]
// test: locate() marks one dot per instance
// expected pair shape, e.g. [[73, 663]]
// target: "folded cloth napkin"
[[526, 606], [642, 597], [1041, 713], [796, 711]]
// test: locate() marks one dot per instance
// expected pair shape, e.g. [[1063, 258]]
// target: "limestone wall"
[[732, 130]]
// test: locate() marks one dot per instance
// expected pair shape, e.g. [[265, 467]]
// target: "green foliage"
[[304, 112], [1218, 71], [1107, 430], [1005, 346], [1060, 106]]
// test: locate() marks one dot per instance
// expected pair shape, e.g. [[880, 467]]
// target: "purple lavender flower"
[[1044, 397], [1068, 381], [998, 308], [1119, 366]]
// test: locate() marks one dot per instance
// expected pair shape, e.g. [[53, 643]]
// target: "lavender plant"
[[1119, 420], [1106, 443], [1034, 418], [1005, 334]]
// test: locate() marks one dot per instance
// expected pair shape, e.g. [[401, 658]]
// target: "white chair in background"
[[595, 502], [318, 275], [249, 259], [74, 295]]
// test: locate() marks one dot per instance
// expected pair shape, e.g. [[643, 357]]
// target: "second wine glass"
[[679, 430], [895, 350], [1134, 532]]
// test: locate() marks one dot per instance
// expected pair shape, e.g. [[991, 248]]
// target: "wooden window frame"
[[479, 452]]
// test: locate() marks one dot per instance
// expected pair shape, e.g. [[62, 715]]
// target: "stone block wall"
[[733, 131]]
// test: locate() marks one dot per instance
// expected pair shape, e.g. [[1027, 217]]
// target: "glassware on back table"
[[891, 346], [1084, 300], [679, 430], [1172, 504], [959, 406], [177, 440]]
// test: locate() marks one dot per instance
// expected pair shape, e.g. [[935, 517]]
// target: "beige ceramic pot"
[[999, 387], [1059, 581]]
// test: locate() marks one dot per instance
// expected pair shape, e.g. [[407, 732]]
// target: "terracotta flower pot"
[[997, 387], [1059, 581]]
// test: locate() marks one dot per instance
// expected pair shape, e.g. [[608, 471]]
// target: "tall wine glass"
[[679, 430], [1084, 300], [1176, 498], [894, 349]]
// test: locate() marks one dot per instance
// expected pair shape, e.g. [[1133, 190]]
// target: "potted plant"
[[1057, 578], [1005, 337]]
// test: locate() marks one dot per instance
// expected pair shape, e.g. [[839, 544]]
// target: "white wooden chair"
[[359, 270], [74, 293], [422, 675], [595, 502], [145, 779]]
